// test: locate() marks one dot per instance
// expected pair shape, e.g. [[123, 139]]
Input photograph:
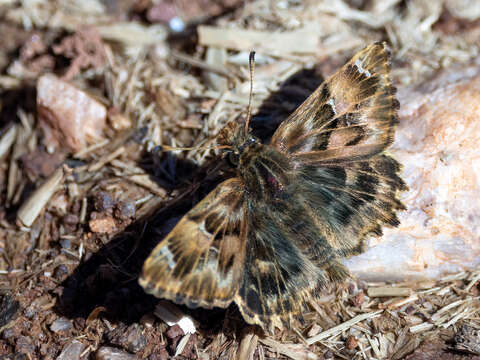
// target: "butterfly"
[[271, 238]]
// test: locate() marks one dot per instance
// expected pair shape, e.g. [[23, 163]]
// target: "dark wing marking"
[[200, 262]]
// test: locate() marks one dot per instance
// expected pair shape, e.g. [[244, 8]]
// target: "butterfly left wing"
[[200, 262]]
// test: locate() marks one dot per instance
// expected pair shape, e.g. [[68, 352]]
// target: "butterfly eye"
[[233, 158]]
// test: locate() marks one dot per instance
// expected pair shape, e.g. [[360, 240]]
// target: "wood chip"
[[399, 302], [339, 328], [138, 176], [475, 279], [421, 327], [32, 207], [133, 34], [209, 65], [293, 351], [106, 159], [181, 344], [247, 347], [437, 315], [384, 291], [7, 140], [301, 41], [172, 315], [145, 181]]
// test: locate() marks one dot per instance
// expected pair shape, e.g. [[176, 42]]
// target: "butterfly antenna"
[[251, 62], [207, 147]]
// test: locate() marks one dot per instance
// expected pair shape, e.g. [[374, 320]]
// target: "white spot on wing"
[[168, 254], [331, 102], [361, 70]]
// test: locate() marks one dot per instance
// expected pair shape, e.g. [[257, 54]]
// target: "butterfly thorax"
[[264, 170]]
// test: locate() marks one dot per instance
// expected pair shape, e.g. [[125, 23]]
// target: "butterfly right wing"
[[329, 188], [336, 141], [200, 262], [351, 116]]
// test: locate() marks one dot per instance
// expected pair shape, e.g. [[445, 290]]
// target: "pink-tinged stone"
[[69, 117], [437, 142], [103, 225]]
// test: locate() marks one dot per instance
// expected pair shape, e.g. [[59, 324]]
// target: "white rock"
[[437, 142]]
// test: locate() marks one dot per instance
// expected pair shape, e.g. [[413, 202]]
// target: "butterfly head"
[[236, 141]]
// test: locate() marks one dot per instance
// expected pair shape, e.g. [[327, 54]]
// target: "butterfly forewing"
[[200, 262], [350, 116]]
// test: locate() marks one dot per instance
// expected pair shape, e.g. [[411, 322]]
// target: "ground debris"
[[73, 351], [110, 353], [130, 338], [61, 325], [467, 339], [88, 185], [85, 48]]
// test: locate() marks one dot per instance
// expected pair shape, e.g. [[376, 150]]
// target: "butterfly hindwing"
[[352, 201], [200, 262], [302, 230], [287, 263]]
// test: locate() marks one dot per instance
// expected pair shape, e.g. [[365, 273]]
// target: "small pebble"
[[72, 351], [110, 353], [131, 338], [328, 354], [65, 244], [103, 225], [135, 340], [70, 219], [351, 343], [118, 120], [125, 210], [61, 271], [103, 201], [61, 324], [69, 117]]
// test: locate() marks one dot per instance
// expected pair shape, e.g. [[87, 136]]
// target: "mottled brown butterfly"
[[271, 238]]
